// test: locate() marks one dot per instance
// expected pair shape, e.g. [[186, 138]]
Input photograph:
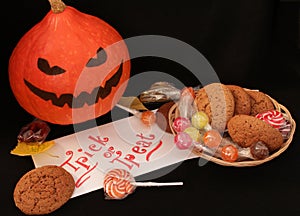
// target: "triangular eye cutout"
[[100, 59], [44, 66]]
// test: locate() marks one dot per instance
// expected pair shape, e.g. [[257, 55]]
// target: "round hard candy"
[[183, 140], [181, 123]]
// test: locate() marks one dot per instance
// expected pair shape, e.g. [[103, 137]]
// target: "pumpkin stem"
[[57, 6]]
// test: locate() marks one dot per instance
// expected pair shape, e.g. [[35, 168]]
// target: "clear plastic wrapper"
[[34, 132], [186, 103], [229, 151], [285, 129], [259, 151], [160, 92]]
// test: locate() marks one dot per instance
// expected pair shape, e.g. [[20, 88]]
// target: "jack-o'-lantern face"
[[84, 97], [66, 97], [63, 78]]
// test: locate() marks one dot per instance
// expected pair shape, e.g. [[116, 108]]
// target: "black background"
[[254, 44]]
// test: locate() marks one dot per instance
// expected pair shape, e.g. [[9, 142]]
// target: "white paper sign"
[[125, 143]]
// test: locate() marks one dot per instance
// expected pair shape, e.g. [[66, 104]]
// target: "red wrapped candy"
[[35, 131]]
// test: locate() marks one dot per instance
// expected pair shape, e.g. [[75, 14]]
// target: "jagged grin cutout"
[[91, 98]]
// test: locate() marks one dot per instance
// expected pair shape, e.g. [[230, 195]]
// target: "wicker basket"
[[173, 113]]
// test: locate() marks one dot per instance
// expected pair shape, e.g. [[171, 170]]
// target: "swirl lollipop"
[[277, 120], [119, 183], [272, 117]]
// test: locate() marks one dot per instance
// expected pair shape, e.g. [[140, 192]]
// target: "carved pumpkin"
[[70, 67]]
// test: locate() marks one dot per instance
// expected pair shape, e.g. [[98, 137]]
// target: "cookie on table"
[[246, 130], [241, 99], [43, 190], [217, 101], [260, 102]]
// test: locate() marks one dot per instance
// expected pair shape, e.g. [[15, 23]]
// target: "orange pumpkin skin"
[[69, 40]]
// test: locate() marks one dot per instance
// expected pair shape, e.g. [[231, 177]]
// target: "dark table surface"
[[254, 44]]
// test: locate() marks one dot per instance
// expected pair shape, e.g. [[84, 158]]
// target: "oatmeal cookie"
[[260, 102], [246, 130], [217, 101], [43, 190], [241, 100]]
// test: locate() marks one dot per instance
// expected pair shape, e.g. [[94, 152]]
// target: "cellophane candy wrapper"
[[36, 131], [285, 129], [186, 103], [160, 92]]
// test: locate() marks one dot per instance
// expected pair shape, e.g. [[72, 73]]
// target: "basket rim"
[[247, 163]]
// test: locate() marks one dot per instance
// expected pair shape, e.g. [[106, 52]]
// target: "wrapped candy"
[[185, 104], [160, 92], [259, 151], [180, 124], [226, 151], [31, 139], [199, 120], [183, 140], [229, 151], [34, 132], [147, 117], [194, 133], [233, 152], [212, 138], [285, 129], [119, 183]]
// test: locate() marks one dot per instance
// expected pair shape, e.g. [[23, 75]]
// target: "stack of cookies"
[[234, 109]]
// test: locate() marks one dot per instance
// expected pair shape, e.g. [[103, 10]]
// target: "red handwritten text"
[[144, 145]]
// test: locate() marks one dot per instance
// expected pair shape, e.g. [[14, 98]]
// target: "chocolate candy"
[[259, 151]]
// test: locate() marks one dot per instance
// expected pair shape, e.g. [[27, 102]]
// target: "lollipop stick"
[[149, 184], [119, 183], [132, 111]]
